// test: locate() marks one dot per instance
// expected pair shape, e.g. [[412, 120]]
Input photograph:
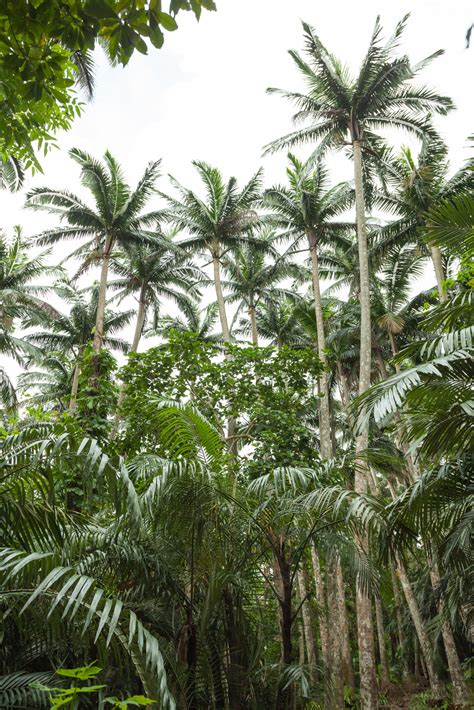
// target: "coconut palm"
[[277, 323], [70, 333], [222, 221], [417, 187], [345, 111], [115, 220], [252, 279], [306, 210]]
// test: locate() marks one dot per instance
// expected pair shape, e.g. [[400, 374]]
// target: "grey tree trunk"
[[324, 409], [346, 656], [425, 645], [75, 382], [384, 677], [220, 297], [102, 297], [365, 633], [321, 601], [460, 689], [307, 624], [439, 272], [140, 322], [336, 690], [253, 324]]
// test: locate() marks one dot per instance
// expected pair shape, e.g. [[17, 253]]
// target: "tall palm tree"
[[251, 279], [306, 210], [115, 220], [70, 333], [345, 111], [223, 220], [417, 187], [153, 272]]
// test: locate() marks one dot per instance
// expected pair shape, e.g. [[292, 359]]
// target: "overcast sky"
[[202, 96]]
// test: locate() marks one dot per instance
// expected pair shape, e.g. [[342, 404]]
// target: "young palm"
[[70, 333], [345, 111], [277, 323], [115, 220], [418, 186], [50, 385], [193, 320], [251, 279], [306, 210], [151, 273], [223, 220]]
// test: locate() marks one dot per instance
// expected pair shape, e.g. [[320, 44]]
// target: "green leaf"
[[99, 9], [168, 22], [83, 673]]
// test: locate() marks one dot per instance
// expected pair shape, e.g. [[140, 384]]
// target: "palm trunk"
[[75, 381], [425, 645], [335, 692], [102, 297], [324, 411], [398, 616], [321, 600], [439, 272], [220, 297], [365, 633], [460, 689], [307, 625], [346, 657], [141, 315], [253, 324], [381, 642]]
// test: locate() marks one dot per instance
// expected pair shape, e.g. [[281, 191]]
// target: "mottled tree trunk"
[[346, 656], [102, 296], [307, 624], [365, 634], [336, 689]]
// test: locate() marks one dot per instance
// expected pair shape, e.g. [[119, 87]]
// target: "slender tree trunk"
[[398, 616], [253, 324], [102, 297], [140, 322], [365, 634], [75, 381], [346, 656], [324, 410], [220, 296], [321, 601], [335, 693], [236, 673], [381, 642], [460, 689], [425, 645], [307, 624], [283, 579], [439, 272]]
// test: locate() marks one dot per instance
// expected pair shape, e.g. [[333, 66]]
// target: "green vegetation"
[[270, 505]]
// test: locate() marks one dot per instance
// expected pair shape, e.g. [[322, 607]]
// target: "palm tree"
[[222, 221], [70, 333], [20, 299], [277, 322], [346, 111], [251, 280], [50, 384], [417, 188], [115, 220], [306, 211], [193, 320], [154, 272]]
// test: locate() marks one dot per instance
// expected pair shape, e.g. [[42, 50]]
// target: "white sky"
[[202, 96]]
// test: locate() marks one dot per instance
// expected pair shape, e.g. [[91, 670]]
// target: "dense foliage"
[[271, 506]]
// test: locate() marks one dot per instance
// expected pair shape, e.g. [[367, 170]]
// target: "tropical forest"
[[236, 412]]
